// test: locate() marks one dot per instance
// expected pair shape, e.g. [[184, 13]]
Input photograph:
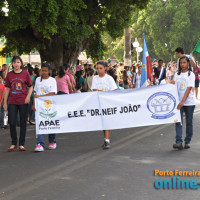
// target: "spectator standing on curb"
[[196, 71]]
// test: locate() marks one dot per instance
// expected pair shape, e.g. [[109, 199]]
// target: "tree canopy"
[[60, 29], [167, 25]]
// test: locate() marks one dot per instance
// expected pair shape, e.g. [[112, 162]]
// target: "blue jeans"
[[189, 110], [40, 139]]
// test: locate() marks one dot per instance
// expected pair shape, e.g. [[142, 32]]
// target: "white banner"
[[119, 109]]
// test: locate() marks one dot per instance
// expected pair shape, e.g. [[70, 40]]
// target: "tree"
[[61, 29], [168, 25], [115, 47]]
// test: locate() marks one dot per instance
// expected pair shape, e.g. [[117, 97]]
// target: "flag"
[[197, 48], [146, 65]]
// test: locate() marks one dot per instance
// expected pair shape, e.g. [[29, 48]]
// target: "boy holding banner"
[[103, 82]]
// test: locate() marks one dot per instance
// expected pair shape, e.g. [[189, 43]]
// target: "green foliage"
[[97, 47], [167, 25], [114, 47], [36, 24]]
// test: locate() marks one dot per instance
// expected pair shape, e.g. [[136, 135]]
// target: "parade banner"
[[118, 109]]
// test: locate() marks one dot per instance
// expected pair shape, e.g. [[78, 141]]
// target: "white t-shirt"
[[183, 81], [190, 58], [45, 86], [105, 83]]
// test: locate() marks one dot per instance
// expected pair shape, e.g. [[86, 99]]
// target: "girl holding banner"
[[45, 86], [185, 81], [103, 82]]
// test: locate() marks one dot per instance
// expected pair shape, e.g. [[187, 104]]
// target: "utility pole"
[[127, 47]]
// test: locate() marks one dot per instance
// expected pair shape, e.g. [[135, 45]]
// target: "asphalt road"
[[80, 170]]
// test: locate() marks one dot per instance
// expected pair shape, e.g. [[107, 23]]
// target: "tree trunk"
[[70, 54], [127, 47], [70, 57], [52, 52], [57, 53]]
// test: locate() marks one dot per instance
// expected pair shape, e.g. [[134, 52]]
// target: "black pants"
[[12, 115]]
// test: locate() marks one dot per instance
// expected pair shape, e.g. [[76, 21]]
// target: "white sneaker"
[[39, 148], [52, 146]]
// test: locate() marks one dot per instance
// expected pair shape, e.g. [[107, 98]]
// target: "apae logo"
[[47, 111], [161, 105]]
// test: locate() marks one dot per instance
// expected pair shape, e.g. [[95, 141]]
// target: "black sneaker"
[[178, 146], [187, 145], [106, 145]]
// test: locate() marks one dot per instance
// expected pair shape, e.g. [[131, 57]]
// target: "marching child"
[[45, 86], [16, 85], [103, 82], [185, 81]]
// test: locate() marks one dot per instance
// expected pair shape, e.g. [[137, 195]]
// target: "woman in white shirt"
[[137, 78]]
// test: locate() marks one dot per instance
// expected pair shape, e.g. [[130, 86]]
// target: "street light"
[[136, 43], [137, 47]]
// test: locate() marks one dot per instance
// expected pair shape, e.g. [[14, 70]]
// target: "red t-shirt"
[[18, 83], [2, 90]]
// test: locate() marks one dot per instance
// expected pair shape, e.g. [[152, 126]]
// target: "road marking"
[[64, 169]]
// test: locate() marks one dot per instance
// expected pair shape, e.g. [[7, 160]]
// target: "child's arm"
[[172, 82], [45, 95], [187, 92], [73, 85], [30, 90], [69, 85], [97, 90], [7, 91], [193, 63]]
